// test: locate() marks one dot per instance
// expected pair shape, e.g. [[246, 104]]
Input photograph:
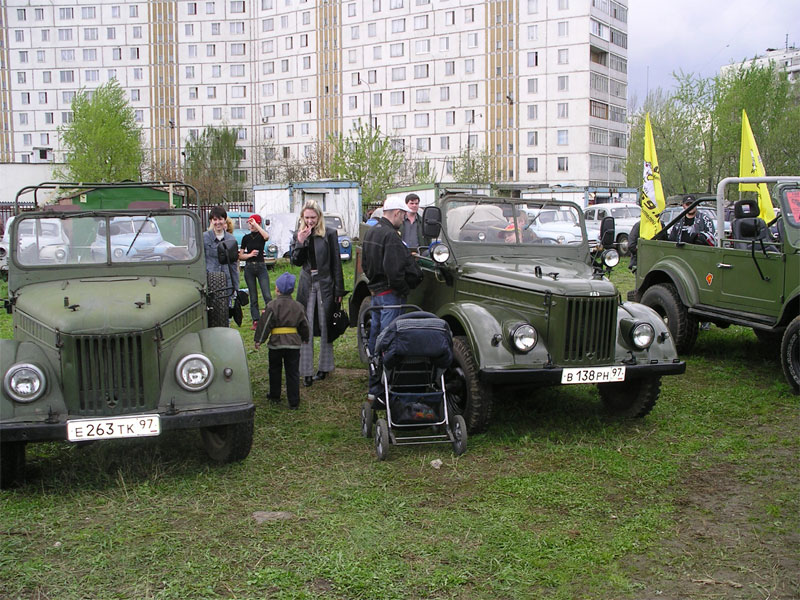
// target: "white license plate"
[[80, 430], [593, 375]]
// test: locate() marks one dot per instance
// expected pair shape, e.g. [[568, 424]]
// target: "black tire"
[[630, 399], [459, 428], [367, 419], [665, 300], [790, 354], [466, 395], [381, 439], [217, 300], [12, 464], [228, 443], [363, 335], [622, 244]]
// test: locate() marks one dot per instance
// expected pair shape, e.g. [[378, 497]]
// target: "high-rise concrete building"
[[785, 59], [540, 85]]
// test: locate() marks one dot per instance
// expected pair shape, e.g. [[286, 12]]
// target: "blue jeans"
[[257, 272], [380, 320]]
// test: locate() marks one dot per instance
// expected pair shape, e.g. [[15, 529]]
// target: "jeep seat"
[[747, 226]]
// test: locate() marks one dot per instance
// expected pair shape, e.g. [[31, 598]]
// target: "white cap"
[[395, 204]]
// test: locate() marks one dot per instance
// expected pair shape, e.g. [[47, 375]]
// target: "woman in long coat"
[[321, 286]]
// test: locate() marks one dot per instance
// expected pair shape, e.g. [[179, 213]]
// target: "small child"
[[284, 321]]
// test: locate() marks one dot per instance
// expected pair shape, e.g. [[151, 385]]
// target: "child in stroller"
[[411, 355]]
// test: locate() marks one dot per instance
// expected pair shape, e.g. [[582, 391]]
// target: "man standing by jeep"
[[689, 229], [390, 269], [411, 229]]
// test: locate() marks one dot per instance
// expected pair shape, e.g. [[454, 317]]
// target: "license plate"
[[593, 375], [80, 430]]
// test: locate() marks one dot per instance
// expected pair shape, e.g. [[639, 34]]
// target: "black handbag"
[[228, 252], [338, 323]]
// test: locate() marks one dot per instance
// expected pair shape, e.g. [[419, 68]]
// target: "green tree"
[[366, 156], [103, 143], [474, 166], [212, 162]]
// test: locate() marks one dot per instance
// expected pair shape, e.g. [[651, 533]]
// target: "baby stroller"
[[412, 354]]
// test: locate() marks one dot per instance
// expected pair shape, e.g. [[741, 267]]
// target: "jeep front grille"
[[110, 374], [591, 326]]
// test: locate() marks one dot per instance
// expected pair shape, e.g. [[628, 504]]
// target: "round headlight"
[[561, 239], [440, 253], [481, 237], [61, 254], [24, 382], [194, 372], [345, 243], [2, 251], [642, 335], [611, 258], [524, 338], [118, 252], [272, 248]]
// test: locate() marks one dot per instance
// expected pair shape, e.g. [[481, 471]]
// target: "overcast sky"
[[699, 36]]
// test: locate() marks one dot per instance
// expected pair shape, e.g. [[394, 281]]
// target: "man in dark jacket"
[[389, 267]]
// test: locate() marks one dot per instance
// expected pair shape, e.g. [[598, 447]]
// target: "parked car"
[[751, 280], [626, 215], [105, 347], [345, 243], [561, 224], [240, 229], [528, 311]]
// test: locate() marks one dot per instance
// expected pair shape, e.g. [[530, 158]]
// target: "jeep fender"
[[225, 350], [663, 346], [675, 270], [478, 323], [13, 352]]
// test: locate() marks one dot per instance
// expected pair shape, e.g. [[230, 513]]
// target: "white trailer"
[[281, 204], [582, 196], [429, 193]]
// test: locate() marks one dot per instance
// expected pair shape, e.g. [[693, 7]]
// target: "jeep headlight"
[[118, 252], [194, 372], [611, 258], [642, 335], [440, 253], [345, 243], [24, 382], [524, 337]]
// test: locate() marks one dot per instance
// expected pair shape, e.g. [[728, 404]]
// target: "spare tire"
[[217, 299]]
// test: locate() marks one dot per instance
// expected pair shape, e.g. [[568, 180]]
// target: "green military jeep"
[[751, 279], [114, 327], [529, 306]]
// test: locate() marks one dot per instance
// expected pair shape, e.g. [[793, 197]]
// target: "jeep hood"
[[107, 304], [559, 276]]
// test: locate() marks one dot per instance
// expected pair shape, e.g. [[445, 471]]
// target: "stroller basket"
[[416, 408]]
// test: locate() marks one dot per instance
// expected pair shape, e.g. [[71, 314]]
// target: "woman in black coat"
[[321, 286]]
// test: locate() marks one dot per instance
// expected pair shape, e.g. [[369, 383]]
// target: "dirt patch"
[[734, 536]]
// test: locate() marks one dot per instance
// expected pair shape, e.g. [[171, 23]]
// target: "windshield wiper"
[[138, 231]]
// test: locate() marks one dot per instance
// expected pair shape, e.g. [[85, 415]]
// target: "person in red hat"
[[255, 269]]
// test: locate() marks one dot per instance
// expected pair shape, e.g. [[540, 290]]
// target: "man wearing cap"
[[411, 229], [255, 269], [689, 229], [284, 322], [389, 267]]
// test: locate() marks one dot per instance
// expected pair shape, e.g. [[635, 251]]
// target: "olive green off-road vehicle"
[[528, 307], [751, 279], [118, 330]]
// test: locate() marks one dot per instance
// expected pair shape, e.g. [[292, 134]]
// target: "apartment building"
[[786, 59], [540, 85]]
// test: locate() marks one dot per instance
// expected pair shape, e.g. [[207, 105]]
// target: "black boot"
[[320, 375], [308, 381]]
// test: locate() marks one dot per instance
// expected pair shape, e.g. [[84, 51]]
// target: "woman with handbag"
[[321, 286], [222, 251]]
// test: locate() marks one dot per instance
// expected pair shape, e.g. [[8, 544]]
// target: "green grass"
[[557, 500]]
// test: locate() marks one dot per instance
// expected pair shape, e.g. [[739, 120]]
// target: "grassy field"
[[556, 500]]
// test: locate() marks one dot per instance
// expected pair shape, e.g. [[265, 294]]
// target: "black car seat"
[[747, 226]]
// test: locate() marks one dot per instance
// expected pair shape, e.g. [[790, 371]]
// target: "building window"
[[563, 83], [397, 98], [533, 59], [563, 4], [421, 22], [563, 56], [472, 91], [424, 144], [237, 112], [450, 17], [469, 15], [396, 50], [563, 137], [67, 76], [193, 93], [533, 112], [533, 165], [563, 28], [398, 74], [423, 95], [421, 71], [533, 32], [65, 14], [444, 93], [211, 91], [563, 163], [216, 113], [533, 138], [450, 67], [190, 72], [422, 46], [469, 66], [399, 121], [421, 120], [472, 40], [398, 25], [563, 110], [210, 8]]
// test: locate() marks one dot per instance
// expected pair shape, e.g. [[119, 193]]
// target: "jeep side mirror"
[[431, 222], [607, 232]]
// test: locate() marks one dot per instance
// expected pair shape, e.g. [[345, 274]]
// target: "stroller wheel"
[[367, 419], [381, 439], [459, 429]]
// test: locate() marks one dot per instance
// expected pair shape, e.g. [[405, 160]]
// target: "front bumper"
[[552, 376], [39, 431]]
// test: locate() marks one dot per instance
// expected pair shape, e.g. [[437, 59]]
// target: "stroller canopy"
[[416, 334]]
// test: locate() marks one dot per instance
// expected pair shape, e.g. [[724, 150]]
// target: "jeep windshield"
[[512, 223], [105, 239]]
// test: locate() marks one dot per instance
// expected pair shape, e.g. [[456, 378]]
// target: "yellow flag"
[[750, 165], [652, 198]]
